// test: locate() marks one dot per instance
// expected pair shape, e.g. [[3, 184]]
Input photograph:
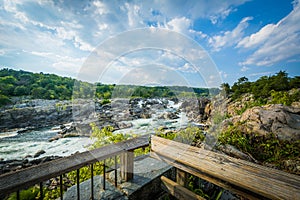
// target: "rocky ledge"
[[283, 121]]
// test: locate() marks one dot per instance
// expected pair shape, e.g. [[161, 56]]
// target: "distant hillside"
[[50, 86]]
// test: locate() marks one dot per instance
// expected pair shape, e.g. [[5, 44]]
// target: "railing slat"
[[41, 191], [61, 187], [116, 172], [92, 181], [104, 174], [78, 183]]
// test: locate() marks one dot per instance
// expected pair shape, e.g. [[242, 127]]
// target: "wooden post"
[[181, 177], [127, 166]]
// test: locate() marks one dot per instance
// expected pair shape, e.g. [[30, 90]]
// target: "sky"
[[199, 43]]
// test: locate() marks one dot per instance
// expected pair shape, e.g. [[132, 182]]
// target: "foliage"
[[263, 148], [105, 101], [4, 100], [50, 86], [27, 194], [284, 97], [251, 104], [265, 87], [188, 135], [37, 85]]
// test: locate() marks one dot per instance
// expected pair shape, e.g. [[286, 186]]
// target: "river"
[[18, 146]]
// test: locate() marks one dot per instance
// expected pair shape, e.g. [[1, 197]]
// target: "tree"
[[38, 93], [4, 100], [21, 90], [225, 88]]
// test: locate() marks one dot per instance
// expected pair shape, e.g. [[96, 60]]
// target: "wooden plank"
[[181, 177], [264, 181], [198, 173], [14, 181], [126, 167], [178, 191]]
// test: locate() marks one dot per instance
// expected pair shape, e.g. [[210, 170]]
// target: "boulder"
[[37, 154], [169, 115], [283, 121]]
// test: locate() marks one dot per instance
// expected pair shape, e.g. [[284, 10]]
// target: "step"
[[144, 185]]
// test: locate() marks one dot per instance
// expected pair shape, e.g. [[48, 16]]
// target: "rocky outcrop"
[[36, 113], [195, 109], [283, 121]]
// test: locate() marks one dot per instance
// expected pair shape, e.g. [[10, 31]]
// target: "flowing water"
[[18, 146]]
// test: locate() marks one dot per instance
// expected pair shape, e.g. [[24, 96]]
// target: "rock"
[[123, 125], [283, 121], [234, 152], [58, 136], [169, 115], [36, 113], [196, 109], [63, 131], [37, 154]]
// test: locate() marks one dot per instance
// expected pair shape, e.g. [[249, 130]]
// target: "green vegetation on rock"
[[274, 87]]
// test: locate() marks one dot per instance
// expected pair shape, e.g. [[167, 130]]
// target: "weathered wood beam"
[[264, 181], [178, 191]]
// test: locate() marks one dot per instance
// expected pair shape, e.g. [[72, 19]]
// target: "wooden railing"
[[16, 181], [241, 177], [247, 179]]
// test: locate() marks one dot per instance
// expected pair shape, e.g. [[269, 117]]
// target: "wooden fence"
[[16, 181], [241, 177]]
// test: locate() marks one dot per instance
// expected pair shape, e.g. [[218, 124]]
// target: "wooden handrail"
[[250, 178], [15, 181]]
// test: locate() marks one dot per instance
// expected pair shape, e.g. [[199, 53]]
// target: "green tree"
[[225, 88], [38, 93], [21, 90], [4, 100]]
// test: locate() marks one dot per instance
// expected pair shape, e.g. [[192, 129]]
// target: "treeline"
[[275, 88], [50, 86], [36, 85]]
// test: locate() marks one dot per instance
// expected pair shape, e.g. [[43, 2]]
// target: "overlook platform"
[[144, 185]]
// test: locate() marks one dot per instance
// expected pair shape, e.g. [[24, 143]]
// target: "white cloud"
[[230, 38], [187, 68], [274, 42], [179, 24], [100, 8], [244, 68], [53, 30]]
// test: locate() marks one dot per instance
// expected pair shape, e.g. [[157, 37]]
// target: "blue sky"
[[248, 38]]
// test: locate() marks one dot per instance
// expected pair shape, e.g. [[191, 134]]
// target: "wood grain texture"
[[14, 181], [267, 182], [178, 191]]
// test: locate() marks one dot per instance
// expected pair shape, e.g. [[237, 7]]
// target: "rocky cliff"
[[35, 114]]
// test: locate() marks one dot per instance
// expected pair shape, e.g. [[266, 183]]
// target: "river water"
[[18, 146]]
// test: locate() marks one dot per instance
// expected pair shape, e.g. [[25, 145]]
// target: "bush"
[[4, 100]]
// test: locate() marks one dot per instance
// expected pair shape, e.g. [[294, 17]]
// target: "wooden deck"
[[249, 179]]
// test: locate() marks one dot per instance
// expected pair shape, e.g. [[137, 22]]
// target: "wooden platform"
[[248, 179]]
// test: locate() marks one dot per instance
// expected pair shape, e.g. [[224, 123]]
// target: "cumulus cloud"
[[62, 30], [274, 42], [230, 38]]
